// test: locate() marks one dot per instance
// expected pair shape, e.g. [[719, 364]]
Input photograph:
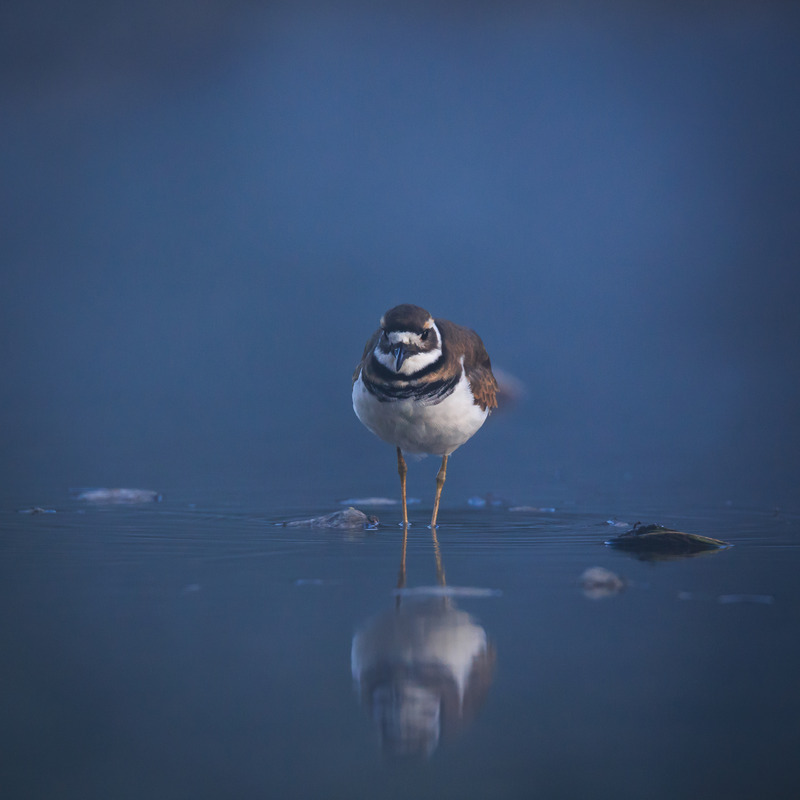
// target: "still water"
[[189, 650]]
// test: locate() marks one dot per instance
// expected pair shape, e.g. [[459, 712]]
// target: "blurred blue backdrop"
[[207, 207]]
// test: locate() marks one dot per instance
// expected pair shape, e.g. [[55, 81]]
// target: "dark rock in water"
[[117, 495], [36, 510], [657, 539], [349, 519]]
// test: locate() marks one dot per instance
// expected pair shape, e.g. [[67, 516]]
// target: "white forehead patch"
[[409, 337], [405, 337]]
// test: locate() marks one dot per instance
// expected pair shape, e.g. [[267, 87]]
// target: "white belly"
[[417, 427]]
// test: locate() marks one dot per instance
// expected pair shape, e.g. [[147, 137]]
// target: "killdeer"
[[424, 385]]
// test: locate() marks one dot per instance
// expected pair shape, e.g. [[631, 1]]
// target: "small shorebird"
[[424, 385]]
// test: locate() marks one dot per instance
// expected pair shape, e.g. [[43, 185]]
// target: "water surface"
[[180, 650]]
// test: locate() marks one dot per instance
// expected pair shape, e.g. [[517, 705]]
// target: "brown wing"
[[476, 361], [369, 347], [484, 387]]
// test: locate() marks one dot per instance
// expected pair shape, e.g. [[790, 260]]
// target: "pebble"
[[347, 519], [118, 495]]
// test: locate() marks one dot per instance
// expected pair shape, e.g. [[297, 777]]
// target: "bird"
[[424, 385]]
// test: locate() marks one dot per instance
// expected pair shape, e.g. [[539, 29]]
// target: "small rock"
[[657, 539], [348, 519], [369, 501], [36, 510], [599, 582], [117, 495], [377, 501]]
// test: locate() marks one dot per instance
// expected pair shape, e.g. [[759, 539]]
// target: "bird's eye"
[[425, 333]]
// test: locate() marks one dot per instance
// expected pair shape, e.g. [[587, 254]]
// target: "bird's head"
[[409, 340]]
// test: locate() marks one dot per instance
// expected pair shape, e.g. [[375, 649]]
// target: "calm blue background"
[[205, 210]]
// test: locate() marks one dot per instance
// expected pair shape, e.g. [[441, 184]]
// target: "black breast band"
[[428, 391]]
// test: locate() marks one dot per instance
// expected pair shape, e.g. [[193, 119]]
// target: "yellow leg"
[[401, 575], [438, 555], [402, 471], [442, 474]]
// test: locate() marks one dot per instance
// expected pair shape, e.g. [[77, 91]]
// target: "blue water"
[[171, 650], [207, 208]]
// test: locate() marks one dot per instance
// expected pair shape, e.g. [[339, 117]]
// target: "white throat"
[[412, 364]]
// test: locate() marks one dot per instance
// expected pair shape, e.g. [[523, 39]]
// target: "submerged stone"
[[377, 501], [348, 519], [36, 510], [369, 501], [658, 539], [117, 495]]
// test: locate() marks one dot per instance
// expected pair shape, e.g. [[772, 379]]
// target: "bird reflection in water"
[[423, 668]]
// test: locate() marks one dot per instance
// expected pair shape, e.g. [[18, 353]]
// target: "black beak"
[[399, 353]]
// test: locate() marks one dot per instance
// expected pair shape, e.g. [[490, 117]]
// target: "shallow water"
[[173, 650], [205, 216]]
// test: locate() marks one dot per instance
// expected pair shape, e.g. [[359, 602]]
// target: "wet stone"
[[377, 501], [659, 539], [349, 519], [117, 495]]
